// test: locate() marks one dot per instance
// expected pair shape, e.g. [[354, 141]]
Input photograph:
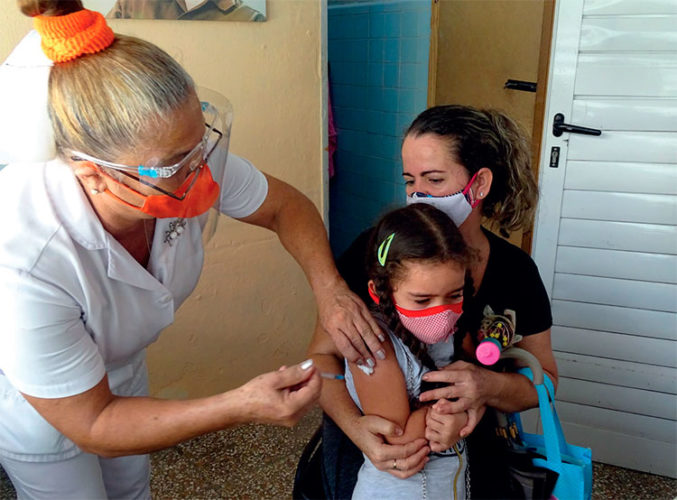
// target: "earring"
[[481, 194], [94, 191]]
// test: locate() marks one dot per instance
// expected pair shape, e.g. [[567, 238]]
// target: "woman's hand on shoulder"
[[280, 397], [348, 321], [399, 460]]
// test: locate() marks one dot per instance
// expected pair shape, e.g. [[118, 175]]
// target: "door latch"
[[559, 127]]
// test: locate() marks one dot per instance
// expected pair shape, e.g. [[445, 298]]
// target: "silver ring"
[[395, 464]]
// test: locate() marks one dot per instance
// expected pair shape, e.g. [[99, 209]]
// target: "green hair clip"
[[383, 249]]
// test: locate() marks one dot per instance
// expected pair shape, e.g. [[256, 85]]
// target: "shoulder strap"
[[555, 444]]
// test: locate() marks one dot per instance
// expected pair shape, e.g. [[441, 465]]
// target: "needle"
[[332, 376]]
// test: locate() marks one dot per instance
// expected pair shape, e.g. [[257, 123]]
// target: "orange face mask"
[[199, 194]]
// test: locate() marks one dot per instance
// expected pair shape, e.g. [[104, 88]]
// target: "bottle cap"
[[488, 351]]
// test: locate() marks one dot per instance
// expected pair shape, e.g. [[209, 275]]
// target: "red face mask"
[[201, 194]]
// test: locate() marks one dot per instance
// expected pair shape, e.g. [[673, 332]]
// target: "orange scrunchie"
[[65, 38]]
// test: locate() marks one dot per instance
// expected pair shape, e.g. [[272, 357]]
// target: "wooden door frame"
[[547, 27], [432, 54], [541, 89]]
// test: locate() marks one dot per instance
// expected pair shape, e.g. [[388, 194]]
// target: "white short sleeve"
[[243, 187], [47, 352], [25, 129]]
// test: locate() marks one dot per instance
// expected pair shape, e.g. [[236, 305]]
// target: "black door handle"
[[520, 85], [559, 127]]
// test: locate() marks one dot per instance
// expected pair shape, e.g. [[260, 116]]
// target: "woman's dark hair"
[[488, 138], [421, 233]]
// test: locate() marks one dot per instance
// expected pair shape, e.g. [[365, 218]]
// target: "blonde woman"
[[103, 243]]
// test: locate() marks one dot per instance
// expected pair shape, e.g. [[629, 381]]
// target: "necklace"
[[146, 230]]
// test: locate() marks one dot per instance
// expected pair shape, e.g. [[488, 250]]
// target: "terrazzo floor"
[[258, 462]]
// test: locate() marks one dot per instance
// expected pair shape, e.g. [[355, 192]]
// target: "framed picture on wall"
[[183, 10]]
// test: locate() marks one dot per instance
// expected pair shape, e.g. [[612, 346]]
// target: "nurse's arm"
[[108, 425], [298, 225]]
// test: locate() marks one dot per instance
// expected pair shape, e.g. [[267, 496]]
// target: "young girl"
[[417, 264]]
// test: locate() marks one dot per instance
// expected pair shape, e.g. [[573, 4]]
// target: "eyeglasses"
[[196, 157], [218, 115], [194, 160]]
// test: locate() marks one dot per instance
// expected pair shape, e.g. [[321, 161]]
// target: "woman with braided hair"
[[416, 264]]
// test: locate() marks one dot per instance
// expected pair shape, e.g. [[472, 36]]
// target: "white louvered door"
[[606, 229]]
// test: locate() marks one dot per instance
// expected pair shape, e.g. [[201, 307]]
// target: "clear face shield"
[[175, 179], [211, 101]]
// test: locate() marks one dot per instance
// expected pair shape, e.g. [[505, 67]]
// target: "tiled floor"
[[258, 462]]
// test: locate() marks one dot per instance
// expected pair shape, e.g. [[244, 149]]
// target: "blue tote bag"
[[572, 463]]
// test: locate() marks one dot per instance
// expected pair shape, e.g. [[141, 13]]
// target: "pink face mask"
[[430, 325]]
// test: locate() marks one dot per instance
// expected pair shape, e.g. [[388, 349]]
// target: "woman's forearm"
[[473, 386], [511, 393], [108, 425], [301, 231], [514, 392], [130, 426]]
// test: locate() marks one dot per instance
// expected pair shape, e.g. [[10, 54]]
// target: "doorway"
[[378, 74]]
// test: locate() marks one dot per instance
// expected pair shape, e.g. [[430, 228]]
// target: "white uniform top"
[[74, 303], [25, 130]]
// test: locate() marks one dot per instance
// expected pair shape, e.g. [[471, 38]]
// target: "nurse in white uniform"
[[101, 244]]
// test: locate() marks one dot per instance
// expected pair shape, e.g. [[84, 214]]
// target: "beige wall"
[[252, 310]]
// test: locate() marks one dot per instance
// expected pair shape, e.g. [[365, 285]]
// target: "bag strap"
[[553, 436], [551, 395], [526, 371]]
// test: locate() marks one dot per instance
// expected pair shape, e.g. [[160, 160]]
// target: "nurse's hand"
[[350, 325], [280, 397], [399, 460]]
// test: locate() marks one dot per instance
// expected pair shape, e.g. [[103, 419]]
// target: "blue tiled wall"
[[378, 59]]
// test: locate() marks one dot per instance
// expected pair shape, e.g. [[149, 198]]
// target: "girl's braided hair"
[[421, 233]]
